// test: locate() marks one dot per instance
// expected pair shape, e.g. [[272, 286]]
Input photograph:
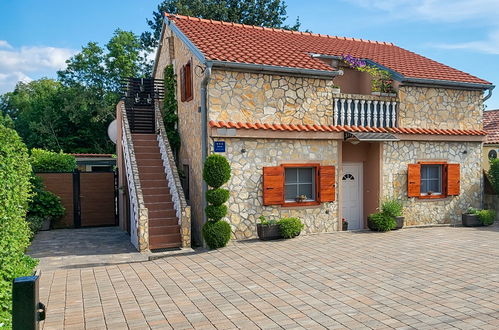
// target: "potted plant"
[[344, 224], [301, 198], [336, 89], [470, 218], [393, 208], [380, 221], [290, 227], [267, 229]]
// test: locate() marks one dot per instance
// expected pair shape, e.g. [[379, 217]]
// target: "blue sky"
[[37, 36]]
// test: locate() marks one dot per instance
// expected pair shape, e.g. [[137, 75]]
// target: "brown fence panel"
[[61, 184], [97, 198]]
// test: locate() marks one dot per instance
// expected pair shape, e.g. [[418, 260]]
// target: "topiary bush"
[[216, 212], [290, 227], [381, 222], [216, 234], [49, 161], [487, 217], [15, 173], [216, 171], [217, 196], [44, 204]]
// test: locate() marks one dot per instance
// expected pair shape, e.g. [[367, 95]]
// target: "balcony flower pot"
[[268, 232], [400, 222], [376, 93], [471, 220], [336, 90]]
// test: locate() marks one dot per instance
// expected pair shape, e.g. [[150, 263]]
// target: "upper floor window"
[[186, 82]]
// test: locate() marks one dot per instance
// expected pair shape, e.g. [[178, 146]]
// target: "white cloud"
[[18, 64], [5, 44], [436, 10], [488, 46]]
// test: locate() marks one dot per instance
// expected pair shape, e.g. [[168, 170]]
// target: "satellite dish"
[[112, 131]]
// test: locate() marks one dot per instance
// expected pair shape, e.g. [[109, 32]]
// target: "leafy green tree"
[[268, 13]]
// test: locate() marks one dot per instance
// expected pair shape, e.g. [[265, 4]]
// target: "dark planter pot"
[[46, 224], [471, 220], [345, 226], [268, 232], [400, 222]]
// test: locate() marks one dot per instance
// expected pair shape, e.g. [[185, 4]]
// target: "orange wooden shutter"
[[273, 185], [327, 180], [453, 179], [182, 83], [414, 180]]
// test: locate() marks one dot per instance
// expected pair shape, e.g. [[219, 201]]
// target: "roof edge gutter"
[[275, 69]]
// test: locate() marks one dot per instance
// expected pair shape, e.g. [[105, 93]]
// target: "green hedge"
[[49, 161], [381, 222], [15, 173]]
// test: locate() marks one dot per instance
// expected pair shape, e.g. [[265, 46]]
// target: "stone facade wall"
[[246, 190], [175, 51], [265, 98], [422, 107], [396, 157]]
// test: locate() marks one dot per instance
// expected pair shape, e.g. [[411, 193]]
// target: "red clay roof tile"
[[491, 125], [239, 43], [344, 128]]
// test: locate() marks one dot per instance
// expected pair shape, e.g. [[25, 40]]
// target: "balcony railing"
[[367, 111]]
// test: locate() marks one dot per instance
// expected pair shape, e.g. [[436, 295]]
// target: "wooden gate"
[[89, 197]]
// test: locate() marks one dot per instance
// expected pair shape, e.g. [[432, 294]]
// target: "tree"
[[267, 13]]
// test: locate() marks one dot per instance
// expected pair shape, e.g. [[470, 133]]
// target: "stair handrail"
[[139, 212], [182, 210]]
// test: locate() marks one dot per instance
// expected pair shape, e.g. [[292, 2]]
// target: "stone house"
[[491, 144], [267, 100]]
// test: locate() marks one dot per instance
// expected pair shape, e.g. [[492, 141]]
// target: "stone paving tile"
[[424, 278]]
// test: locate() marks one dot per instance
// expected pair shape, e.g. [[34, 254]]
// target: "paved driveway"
[[414, 278]]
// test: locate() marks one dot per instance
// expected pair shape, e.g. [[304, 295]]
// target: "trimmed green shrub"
[[216, 234], [290, 227], [15, 172], [494, 174], [216, 212], [44, 204], [381, 222], [216, 171], [392, 208], [49, 161], [217, 196], [35, 224], [487, 217]]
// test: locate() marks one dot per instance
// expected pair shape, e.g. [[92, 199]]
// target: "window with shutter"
[[433, 180], [188, 81], [182, 83]]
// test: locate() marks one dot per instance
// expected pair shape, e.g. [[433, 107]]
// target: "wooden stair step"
[[151, 169], [152, 176], [148, 156], [150, 162], [159, 206], [161, 214], [164, 241], [164, 230], [148, 198], [146, 150], [154, 182], [155, 191], [160, 222]]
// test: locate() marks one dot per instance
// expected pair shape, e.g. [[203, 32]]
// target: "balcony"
[[365, 110]]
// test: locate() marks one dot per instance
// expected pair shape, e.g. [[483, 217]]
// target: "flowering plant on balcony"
[[381, 79]]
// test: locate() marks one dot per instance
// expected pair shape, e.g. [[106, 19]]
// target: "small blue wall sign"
[[219, 146]]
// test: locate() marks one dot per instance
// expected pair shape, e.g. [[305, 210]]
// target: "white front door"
[[351, 192]]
